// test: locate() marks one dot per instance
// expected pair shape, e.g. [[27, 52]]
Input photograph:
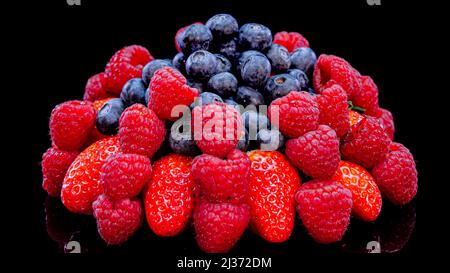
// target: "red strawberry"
[[325, 208], [117, 220], [54, 167], [170, 196], [140, 131], [273, 184], [82, 184], [124, 175], [167, 90], [355, 117], [396, 175], [71, 123], [222, 180], [366, 195], [290, 40], [334, 109], [295, 114], [217, 128], [219, 226], [316, 153], [96, 87], [367, 96]]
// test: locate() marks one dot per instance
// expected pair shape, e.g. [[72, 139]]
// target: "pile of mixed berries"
[[186, 142]]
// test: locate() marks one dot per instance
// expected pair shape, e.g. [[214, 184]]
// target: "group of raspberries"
[[118, 154]]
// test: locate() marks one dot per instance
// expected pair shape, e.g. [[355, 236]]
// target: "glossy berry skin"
[[149, 70], [82, 183], [140, 131], [324, 208], [223, 27], [133, 92], [206, 98], [254, 121], [396, 175], [217, 128], [54, 167], [223, 180], [179, 33], [201, 65], [304, 59], [334, 111], [270, 139], [316, 153], [366, 143], [117, 220], [354, 117], [169, 89], [297, 113], [108, 116], [218, 226], [71, 123], [223, 64], [244, 56], [255, 70], [249, 96], [195, 37], [254, 36], [179, 62], [280, 85], [224, 84], [96, 87], [182, 142], [170, 195], [279, 57], [366, 196], [301, 77], [273, 184], [124, 65], [124, 175], [290, 40]]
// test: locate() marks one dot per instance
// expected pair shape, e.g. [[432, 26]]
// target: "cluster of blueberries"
[[226, 63]]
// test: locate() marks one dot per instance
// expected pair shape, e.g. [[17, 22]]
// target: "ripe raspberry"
[[124, 65], [325, 208], [170, 196], [355, 117], [219, 226], [331, 70], [168, 89], [96, 87], [140, 131], [295, 114], [367, 96], [366, 195], [222, 180], [366, 143], [217, 128], [54, 167], [387, 120], [290, 40], [316, 153], [178, 35], [117, 220], [71, 123], [396, 175], [82, 184], [124, 175], [334, 109], [273, 184]]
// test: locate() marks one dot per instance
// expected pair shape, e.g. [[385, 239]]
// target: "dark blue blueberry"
[[223, 64], [223, 27], [150, 68], [301, 77], [244, 142], [108, 117], [179, 62], [279, 57], [224, 84], [304, 59], [229, 49], [205, 98], [249, 96], [255, 70], [270, 139], [244, 56], [195, 37], [255, 36], [197, 85], [182, 142], [254, 122], [280, 85], [231, 102], [133, 92], [201, 65]]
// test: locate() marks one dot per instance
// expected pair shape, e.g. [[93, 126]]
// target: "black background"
[[68, 44]]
